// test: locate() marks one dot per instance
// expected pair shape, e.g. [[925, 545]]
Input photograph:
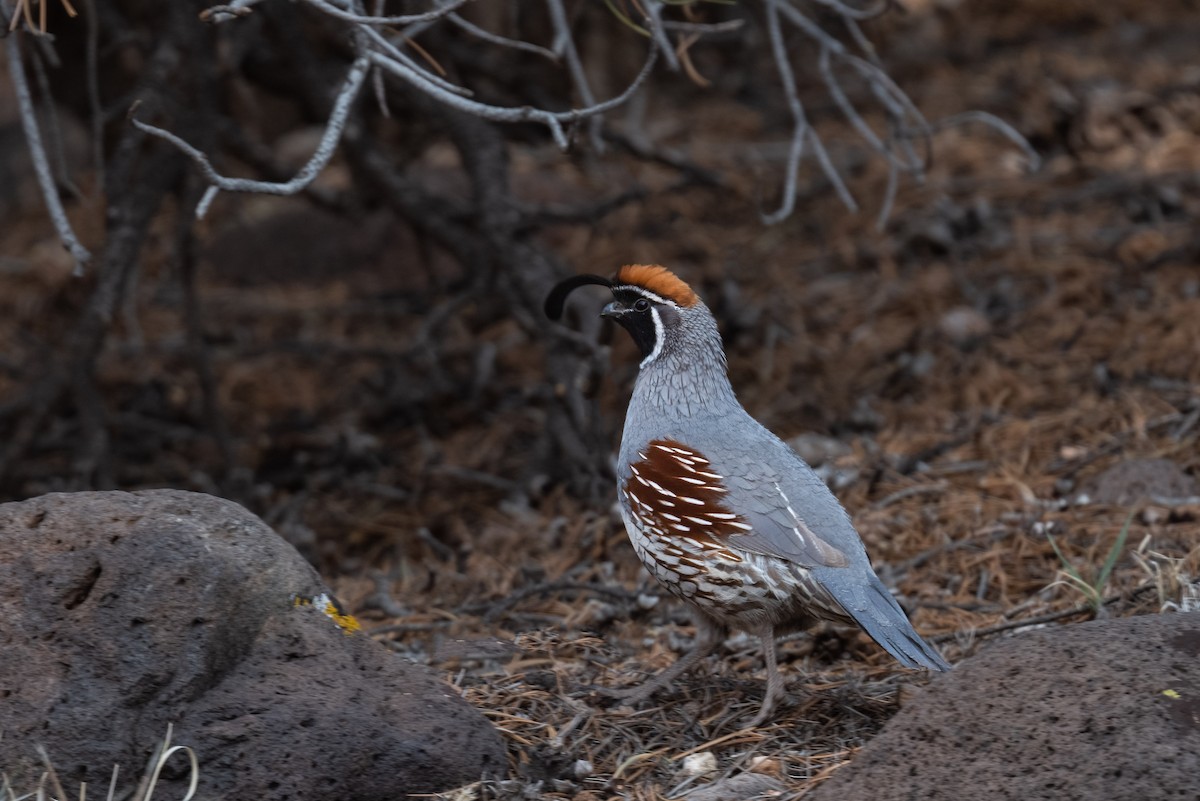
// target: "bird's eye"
[[641, 305]]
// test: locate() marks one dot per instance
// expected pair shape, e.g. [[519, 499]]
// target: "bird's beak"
[[613, 310]]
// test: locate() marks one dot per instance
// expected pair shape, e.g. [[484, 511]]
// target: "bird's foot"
[[766, 712], [629, 696], [763, 714]]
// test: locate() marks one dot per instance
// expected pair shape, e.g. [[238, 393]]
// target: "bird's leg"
[[775, 691], [709, 635]]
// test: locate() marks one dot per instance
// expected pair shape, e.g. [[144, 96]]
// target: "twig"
[[41, 163], [993, 534], [50, 117], [908, 492], [495, 608], [996, 124], [851, 13], [321, 157], [553, 120], [133, 210], [905, 121], [224, 13], [1068, 468], [825, 66], [799, 121], [1048, 617], [501, 41], [392, 51], [1186, 425], [564, 43], [729, 26], [653, 10], [589, 215], [668, 158], [197, 347], [95, 107], [1037, 620], [332, 9]]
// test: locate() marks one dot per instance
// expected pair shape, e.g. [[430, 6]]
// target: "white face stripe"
[[646, 293], [658, 337]]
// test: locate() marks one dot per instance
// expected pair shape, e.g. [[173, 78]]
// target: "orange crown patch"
[[660, 281]]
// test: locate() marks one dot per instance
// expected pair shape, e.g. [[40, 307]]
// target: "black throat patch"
[[639, 324]]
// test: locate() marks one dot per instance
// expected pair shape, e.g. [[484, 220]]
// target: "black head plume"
[[558, 295]]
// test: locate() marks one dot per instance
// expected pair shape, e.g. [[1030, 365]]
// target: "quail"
[[721, 511]]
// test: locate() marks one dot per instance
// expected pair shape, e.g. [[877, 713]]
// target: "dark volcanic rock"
[[122, 612], [1101, 711], [1135, 480]]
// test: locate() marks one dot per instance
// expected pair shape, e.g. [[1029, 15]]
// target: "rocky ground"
[[985, 381]]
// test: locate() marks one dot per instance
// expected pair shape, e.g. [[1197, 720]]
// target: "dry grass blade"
[[24, 8], [144, 792], [162, 755], [1094, 590]]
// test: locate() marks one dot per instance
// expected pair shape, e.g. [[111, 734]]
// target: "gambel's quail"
[[723, 513]]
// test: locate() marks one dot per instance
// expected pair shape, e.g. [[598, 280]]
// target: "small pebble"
[[699, 764]]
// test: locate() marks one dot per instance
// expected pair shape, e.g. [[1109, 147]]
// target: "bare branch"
[[564, 43], [654, 18], [860, 39], [334, 9], [502, 41], [324, 152], [996, 124], [703, 27], [891, 96], [838, 95], [904, 120], [392, 51], [892, 139], [849, 12], [224, 13], [41, 164], [889, 196], [552, 120], [800, 126], [49, 116], [95, 107], [830, 170]]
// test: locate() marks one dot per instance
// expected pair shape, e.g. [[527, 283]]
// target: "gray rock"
[[818, 449], [122, 612], [1134, 480], [1107, 710], [825, 455]]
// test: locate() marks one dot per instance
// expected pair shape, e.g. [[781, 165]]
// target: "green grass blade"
[[1113, 554]]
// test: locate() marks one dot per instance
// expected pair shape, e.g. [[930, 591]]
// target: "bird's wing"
[[863, 596], [742, 505], [795, 517], [746, 504]]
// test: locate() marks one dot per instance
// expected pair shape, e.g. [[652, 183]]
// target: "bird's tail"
[[870, 604]]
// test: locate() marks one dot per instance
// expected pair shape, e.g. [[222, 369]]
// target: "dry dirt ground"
[[983, 359]]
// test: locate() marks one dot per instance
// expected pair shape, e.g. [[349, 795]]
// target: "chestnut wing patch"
[[673, 489]]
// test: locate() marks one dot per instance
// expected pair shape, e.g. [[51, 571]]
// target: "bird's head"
[[654, 305]]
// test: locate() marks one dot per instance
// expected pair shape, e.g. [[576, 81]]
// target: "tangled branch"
[[904, 121], [37, 149], [380, 43], [381, 52], [306, 175]]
